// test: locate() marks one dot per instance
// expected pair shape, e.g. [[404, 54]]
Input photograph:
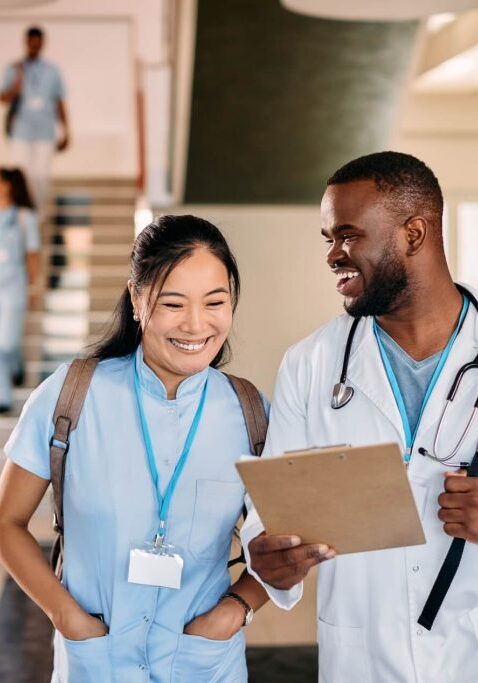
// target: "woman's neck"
[[5, 203]]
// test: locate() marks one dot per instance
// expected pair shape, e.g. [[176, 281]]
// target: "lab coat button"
[[419, 631], [416, 568]]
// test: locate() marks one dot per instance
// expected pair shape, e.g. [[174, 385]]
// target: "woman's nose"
[[193, 320]]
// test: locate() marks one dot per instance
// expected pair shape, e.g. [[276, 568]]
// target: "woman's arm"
[[20, 494], [227, 617]]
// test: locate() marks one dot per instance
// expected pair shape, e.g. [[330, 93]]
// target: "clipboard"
[[352, 499]]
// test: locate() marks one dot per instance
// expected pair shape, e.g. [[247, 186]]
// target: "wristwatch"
[[248, 611]]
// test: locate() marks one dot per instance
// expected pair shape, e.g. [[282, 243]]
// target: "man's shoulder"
[[331, 332]]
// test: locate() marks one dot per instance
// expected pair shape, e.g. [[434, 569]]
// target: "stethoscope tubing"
[[336, 403]]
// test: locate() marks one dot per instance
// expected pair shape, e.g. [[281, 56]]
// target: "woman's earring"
[[135, 317]]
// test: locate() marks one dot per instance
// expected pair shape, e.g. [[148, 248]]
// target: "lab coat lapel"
[[463, 351], [367, 374]]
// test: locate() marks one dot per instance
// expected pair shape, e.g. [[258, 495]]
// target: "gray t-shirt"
[[413, 376]]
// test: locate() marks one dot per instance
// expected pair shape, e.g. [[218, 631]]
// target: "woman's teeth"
[[188, 347]]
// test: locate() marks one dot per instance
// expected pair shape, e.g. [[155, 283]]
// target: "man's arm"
[[12, 84], [64, 140]]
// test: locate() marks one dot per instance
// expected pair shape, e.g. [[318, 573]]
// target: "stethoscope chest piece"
[[341, 395]]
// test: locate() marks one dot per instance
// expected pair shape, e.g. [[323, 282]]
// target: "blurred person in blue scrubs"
[[34, 91], [19, 266], [157, 371]]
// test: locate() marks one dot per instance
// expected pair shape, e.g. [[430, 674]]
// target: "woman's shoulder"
[[221, 381]]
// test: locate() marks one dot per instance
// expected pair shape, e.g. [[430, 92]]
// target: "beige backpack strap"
[[254, 412], [65, 418]]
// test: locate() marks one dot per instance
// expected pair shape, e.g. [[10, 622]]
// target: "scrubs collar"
[[151, 383]]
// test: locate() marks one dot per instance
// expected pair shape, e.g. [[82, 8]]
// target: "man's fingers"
[[453, 515], [456, 530], [452, 500], [458, 484], [269, 543]]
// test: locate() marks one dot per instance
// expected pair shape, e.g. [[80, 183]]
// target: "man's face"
[[367, 249], [34, 46]]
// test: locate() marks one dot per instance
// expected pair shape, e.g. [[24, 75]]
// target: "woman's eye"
[[215, 304], [174, 306]]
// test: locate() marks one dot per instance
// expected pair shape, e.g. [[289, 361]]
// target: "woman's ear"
[[416, 231], [133, 292]]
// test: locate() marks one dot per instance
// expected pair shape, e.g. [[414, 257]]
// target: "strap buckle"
[[58, 443]]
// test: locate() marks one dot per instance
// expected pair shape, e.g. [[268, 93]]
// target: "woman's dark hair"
[[157, 250], [19, 189]]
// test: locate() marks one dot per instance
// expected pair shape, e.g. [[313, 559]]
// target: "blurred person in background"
[[34, 91], [19, 266]]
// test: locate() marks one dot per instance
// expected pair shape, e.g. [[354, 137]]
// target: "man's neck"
[[424, 326]]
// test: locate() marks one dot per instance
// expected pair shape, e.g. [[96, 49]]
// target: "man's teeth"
[[348, 275], [188, 347]]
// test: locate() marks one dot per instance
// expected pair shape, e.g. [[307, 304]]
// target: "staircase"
[[85, 255]]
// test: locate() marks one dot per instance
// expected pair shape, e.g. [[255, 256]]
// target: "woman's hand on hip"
[[220, 623]]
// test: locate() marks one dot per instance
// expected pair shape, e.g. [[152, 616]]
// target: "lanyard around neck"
[[165, 501], [409, 437]]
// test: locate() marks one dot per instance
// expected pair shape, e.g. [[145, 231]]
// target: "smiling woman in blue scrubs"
[[158, 419]]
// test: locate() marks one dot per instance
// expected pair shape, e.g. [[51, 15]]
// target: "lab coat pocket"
[[89, 661], [342, 654], [217, 508], [210, 661]]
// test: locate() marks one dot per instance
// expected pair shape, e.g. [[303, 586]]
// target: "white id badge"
[[35, 103], [155, 566]]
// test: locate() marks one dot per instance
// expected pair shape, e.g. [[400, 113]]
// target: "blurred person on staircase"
[[19, 266], [34, 91]]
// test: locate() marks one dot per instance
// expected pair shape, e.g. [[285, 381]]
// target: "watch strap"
[[238, 598]]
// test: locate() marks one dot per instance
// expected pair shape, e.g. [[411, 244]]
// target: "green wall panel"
[[280, 100]]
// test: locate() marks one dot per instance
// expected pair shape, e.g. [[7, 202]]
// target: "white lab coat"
[[369, 602]]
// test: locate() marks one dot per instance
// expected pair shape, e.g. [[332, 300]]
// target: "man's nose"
[[335, 254]]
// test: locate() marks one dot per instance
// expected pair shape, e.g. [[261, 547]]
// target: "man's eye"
[[347, 238], [329, 241]]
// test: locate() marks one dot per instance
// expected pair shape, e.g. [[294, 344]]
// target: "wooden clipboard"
[[353, 499]]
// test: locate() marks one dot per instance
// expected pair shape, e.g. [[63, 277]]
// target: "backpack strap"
[[65, 419], [256, 421], [254, 412]]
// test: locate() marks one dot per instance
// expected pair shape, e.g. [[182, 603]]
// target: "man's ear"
[[416, 232]]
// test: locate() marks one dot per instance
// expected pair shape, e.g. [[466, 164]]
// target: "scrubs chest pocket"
[[217, 508]]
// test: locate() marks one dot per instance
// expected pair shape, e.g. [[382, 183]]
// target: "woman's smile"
[[189, 346]]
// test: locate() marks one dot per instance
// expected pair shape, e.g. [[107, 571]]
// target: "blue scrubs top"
[[42, 88], [19, 234], [110, 506]]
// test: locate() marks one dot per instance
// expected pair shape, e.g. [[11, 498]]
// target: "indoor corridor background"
[[237, 111]]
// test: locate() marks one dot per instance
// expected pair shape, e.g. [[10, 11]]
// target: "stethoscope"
[[343, 393]]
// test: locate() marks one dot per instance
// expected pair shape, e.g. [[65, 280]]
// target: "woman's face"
[[191, 320], [5, 190]]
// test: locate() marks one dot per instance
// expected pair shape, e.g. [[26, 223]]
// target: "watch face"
[[249, 617]]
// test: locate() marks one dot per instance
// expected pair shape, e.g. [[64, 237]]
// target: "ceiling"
[[379, 10]]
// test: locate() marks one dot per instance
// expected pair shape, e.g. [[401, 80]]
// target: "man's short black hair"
[[34, 32], [410, 185]]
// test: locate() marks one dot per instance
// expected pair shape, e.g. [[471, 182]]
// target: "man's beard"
[[389, 289]]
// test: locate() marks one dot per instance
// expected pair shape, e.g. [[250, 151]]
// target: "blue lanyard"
[[165, 501], [409, 437]]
